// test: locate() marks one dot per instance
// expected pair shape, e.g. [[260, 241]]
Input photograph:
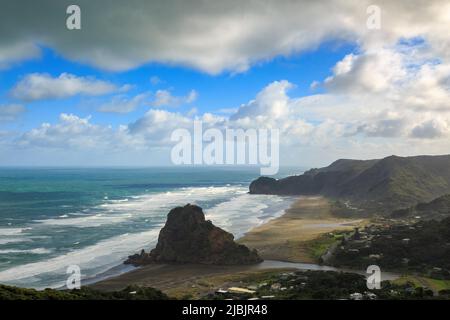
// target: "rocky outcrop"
[[188, 238]]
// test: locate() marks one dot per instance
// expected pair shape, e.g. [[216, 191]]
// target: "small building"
[[221, 291], [406, 241], [370, 295], [240, 290], [275, 286], [356, 296], [262, 284]]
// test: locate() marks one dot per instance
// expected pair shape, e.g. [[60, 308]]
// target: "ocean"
[[51, 218]]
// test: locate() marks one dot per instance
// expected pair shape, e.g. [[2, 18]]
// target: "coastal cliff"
[[188, 238], [380, 185]]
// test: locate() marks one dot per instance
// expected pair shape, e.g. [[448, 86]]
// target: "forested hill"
[[380, 185]]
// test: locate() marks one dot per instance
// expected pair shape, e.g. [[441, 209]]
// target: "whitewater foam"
[[243, 212], [118, 211], [232, 209], [12, 231], [32, 251], [101, 256]]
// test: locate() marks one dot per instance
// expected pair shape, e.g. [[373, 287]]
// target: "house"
[[370, 295], [262, 284], [275, 286], [240, 290], [356, 296], [375, 256], [221, 291]]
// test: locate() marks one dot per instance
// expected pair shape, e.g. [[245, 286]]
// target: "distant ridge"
[[377, 186]]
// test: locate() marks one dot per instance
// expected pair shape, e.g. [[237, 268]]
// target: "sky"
[[333, 81]]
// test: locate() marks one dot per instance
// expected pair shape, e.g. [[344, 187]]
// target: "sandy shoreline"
[[283, 239]]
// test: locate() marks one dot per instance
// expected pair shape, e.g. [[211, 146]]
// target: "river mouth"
[[276, 264]]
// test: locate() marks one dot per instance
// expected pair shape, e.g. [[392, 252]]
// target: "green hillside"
[[377, 186]]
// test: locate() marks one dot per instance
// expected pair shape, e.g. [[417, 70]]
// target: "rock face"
[[188, 238]]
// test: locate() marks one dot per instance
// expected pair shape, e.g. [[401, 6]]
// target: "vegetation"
[[328, 285], [318, 247], [438, 209], [436, 285], [85, 293], [377, 186], [422, 247]]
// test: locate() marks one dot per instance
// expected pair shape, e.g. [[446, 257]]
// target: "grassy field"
[[418, 281], [316, 248], [212, 283]]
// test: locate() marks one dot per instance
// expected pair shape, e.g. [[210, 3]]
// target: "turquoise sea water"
[[51, 218]]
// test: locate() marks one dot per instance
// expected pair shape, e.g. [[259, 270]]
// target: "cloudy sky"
[[113, 92]]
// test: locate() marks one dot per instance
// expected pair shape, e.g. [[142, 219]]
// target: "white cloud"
[[17, 52], [270, 102], [40, 86], [367, 72], [10, 112], [429, 88], [156, 126], [72, 132], [214, 36], [430, 129], [163, 98], [123, 104], [316, 129], [227, 111], [391, 95]]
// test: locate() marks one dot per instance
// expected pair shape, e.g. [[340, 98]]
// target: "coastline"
[[281, 241], [286, 238]]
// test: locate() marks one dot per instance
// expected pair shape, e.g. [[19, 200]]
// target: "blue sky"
[[338, 80], [216, 92]]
